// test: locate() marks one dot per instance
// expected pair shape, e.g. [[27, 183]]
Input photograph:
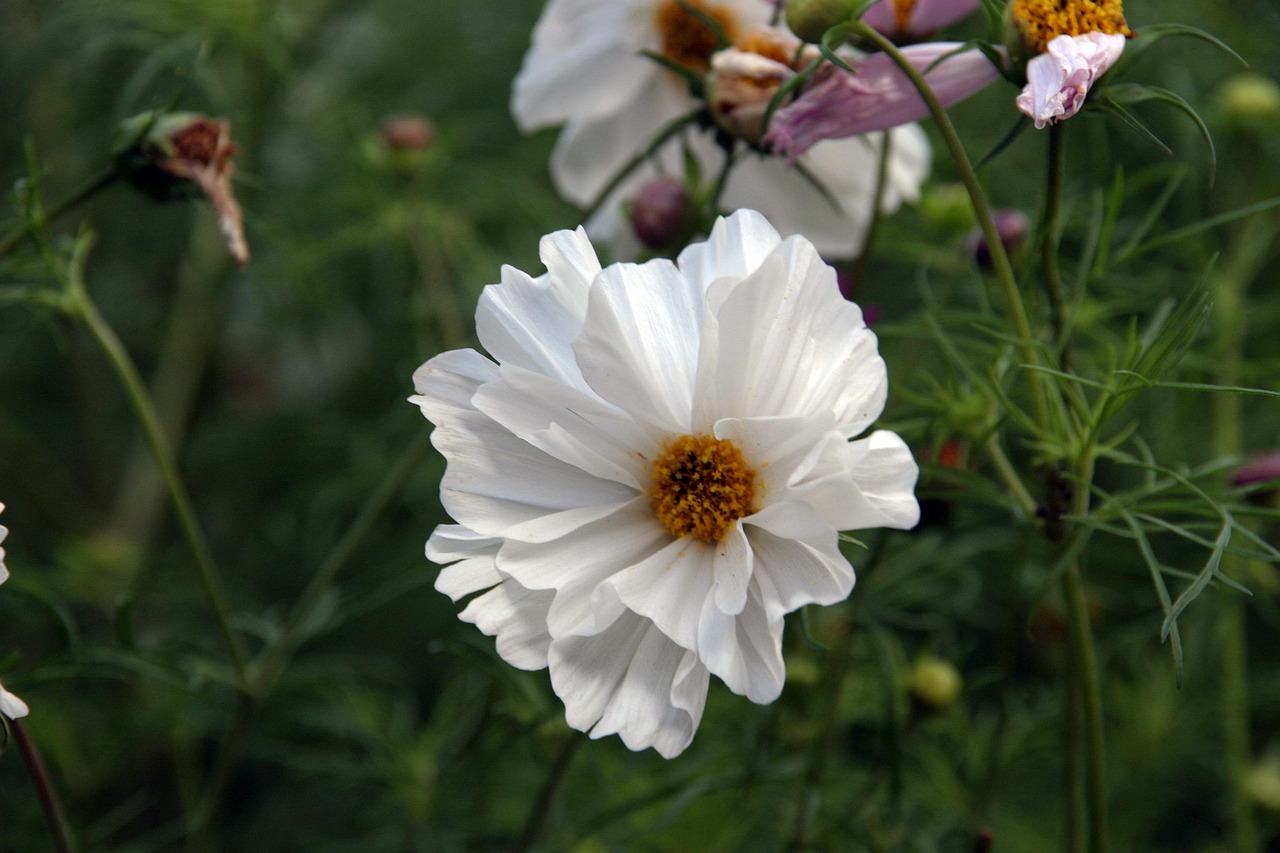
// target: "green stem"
[[1088, 688], [1073, 749], [1009, 476], [54, 814], [81, 306], [212, 793], [859, 268], [541, 810], [982, 210], [14, 238], [1049, 243]]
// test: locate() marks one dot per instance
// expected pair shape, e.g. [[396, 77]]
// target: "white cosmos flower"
[[1059, 79], [11, 706], [651, 471], [586, 71]]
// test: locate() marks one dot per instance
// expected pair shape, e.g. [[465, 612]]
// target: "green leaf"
[[1102, 101], [1180, 234], [1169, 630], [1136, 93], [1202, 580]]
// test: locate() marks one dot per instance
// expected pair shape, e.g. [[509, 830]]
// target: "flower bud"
[[947, 206], [1250, 100], [739, 88], [1262, 784], [1012, 226], [810, 19], [934, 684], [405, 143], [662, 213]]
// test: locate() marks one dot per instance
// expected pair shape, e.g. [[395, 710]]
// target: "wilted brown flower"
[[201, 152]]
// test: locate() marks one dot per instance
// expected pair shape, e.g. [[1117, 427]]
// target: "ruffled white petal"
[[630, 679], [789, 344], [11, 706], [743, 650], [472, 558], [4, 531], [639, 345], [798, 559], [517, 617]]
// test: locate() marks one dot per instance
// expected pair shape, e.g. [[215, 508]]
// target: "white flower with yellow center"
[[586, 71], [652, 470]]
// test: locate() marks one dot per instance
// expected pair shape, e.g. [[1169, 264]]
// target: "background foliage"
[[398, 728]]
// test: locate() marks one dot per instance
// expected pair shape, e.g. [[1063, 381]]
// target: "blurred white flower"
[[653, 472], [586, 71], [4, 531], [1059, 79], [11, 706]]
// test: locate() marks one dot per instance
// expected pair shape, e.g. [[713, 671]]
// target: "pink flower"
[[1059, 79], [912, 20], [878, 97]]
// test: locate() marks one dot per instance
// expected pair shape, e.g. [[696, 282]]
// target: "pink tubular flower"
[[912, 20], [1059, 79], [878, 97]]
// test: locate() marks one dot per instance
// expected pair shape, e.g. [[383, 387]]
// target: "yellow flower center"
[[1041, 21], [701, 486], [688, 41]]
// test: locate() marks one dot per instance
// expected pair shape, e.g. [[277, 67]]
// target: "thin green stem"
[[1001, 266], [859, 269], [54, 814], [81, 306], [1009, 476], [1049, 243], [231, 748], [14, 238], [541, 811]]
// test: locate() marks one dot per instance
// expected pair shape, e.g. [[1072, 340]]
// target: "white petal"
[[14, 708], [591, 152], [732, 569], [885, 474], [745, 651], [524, 322], [584, 62], [518, 618], [736, 247], [472, 558], [572, 265], [798, 559], [446, 383], [788, 344], [630, 680], [574, 426], [639, 345], [671, 587], [576, 564]]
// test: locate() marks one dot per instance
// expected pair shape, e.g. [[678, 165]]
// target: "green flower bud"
[[810, 19], [934, 683], [1250, 100]]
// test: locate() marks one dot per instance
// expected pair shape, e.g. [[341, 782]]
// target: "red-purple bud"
[[1262, 468], [1011, 225], [407, 133], [662, 212]]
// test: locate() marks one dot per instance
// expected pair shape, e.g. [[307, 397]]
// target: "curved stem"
[[859, 268], [81, 306], [54, 814], [1009, 476], [982, 210]]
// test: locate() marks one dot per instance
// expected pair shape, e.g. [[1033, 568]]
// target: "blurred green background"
[[397, 727]]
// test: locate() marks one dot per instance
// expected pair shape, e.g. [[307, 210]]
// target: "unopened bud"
[[934, 683], [662, 213], [1012, 226], [1250, 100], [1262, 784], [947, 206], [407, 133], [810, 19]]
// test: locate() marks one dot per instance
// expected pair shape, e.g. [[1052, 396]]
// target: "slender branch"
[[541, 810], [215, 789], [54, 814], [14, 238], [81, 306], [1073, 750], [982, 210], [1009, 476]]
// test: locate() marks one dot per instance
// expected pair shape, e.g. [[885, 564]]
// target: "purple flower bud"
[[1011, 225], [1257, 469], [407, 133], [662, 212]]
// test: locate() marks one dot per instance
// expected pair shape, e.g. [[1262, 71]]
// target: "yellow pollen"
[[701, 486], [1041, 21], [688, 41]]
